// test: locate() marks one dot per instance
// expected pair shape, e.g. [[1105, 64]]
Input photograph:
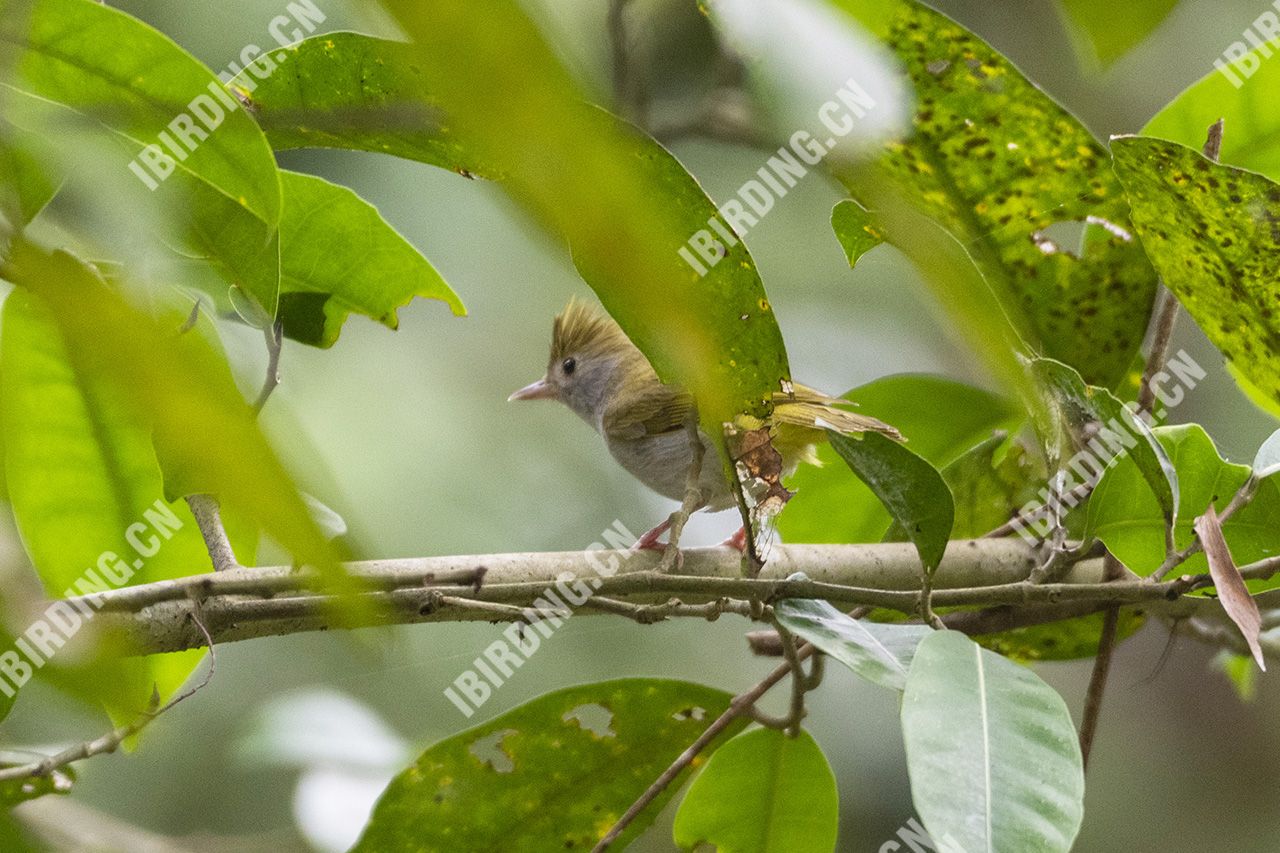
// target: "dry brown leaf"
[[1232, 592]]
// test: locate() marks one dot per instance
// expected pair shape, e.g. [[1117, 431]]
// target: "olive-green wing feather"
[[658, 409]]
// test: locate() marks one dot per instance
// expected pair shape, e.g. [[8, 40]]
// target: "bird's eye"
[[568, 366]]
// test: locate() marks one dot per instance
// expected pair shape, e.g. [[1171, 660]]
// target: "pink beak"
[[540, 390]]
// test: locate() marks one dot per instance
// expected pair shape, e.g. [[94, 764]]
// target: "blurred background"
[[409, 437]]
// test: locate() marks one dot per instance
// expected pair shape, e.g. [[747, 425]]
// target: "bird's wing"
[[660, 409]]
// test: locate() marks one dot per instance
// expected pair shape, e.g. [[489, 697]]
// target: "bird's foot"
[[672, 557], [649, 541], [737, 541]]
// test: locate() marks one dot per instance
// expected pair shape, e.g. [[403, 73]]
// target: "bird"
[[597, 372]]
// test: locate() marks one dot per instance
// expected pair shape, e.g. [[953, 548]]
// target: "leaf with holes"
[[1213, 233], [339, 256], [991, 750], [548, 776], [880, 653], [1234, 595], [909, 487], [1125, 515], [998, 163], [762, 792]]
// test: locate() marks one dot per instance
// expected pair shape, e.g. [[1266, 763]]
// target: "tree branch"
[[242, 604], [208, 515]]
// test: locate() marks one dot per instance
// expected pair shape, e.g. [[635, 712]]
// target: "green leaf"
[[991, 751], [989, 483], [1126, 517], [339, 256], [855, 229], [762, 792], [1267, 460], [84, 486], [830, 506], [14, 838], [976, 317], [996, 162], [624, 204], [15, 791], [1251, 115], [25, 185], [1069, 639], [1240, 670], [1093, 419], [1211, 232], [1106, 31], [987, 492], [880, 653], [552, 774], [205, 434], [135, 80], [347, 90], [908, 486], [112, 72]]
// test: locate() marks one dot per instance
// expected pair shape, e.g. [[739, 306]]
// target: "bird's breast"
[[662, 463]]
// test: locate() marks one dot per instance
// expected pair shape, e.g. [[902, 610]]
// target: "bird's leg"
[[672, 558], [649, 541], [737, 541]]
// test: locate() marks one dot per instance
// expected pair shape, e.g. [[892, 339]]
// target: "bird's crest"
[[582, 329]]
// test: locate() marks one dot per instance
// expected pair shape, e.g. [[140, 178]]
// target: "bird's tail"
[[814, 411]]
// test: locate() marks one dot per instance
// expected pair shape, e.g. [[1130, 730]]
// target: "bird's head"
[[592, 361]]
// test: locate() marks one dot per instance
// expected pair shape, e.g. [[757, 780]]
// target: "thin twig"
[[274, 335], [1239, 500], [798, 681], [650, 614], [1022, 520], [208, 517], [1101, 665], [1164, 316], [111, 741], [152, 616], [975, 623], [741, 704]]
